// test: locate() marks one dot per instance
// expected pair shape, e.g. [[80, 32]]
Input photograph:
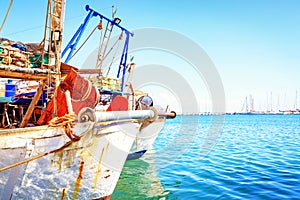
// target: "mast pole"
[[56, 31]]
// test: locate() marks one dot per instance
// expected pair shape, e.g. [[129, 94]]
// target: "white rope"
[[114, 57], [84, 42]]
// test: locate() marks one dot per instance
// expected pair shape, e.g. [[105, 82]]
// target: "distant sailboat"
[[248, 106]]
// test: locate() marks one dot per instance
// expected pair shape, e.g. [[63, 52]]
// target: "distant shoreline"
[[239, 113]]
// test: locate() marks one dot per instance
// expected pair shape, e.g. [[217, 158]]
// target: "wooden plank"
[[89, 71], [32, 105], [22, 75]]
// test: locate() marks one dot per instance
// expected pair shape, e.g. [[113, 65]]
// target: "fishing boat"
[[69, 136], [121, 85], [110, 86]]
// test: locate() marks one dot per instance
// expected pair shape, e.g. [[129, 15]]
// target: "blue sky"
[[254, 44]]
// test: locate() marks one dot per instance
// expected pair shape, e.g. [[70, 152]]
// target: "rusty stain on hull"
[[104, 198], [98, 168], [63, 194], [136, 141], [70, 157], [78, 180], [107, 147], [65, 158], [59, 155]]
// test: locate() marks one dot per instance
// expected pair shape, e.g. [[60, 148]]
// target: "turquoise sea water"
[[255, 157]]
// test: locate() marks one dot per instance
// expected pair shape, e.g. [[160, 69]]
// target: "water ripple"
[[256, 157]]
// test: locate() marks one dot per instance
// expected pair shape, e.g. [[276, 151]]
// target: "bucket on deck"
[[10, 90]]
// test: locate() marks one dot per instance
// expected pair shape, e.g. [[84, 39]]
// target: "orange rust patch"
[[78, 180]]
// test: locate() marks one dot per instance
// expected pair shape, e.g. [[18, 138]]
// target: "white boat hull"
[[87, 169], [145, 139]]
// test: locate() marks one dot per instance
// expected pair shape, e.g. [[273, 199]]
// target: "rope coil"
[[67, 122]]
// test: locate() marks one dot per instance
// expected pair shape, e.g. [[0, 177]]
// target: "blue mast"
[[77, 36], [123, 61]]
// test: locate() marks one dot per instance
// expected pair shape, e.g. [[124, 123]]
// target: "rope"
[[62, 121], [67, 122], [117, 42], [84, 42], [34, 158], [100, 46], [6, 15]]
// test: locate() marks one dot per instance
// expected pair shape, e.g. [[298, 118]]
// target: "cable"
[[6, 15]]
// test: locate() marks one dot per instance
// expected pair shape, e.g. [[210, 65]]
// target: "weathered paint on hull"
[[87, 169]]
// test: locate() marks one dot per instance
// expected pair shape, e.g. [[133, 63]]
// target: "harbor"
[[256, 157], [67, 132], [151, 100]]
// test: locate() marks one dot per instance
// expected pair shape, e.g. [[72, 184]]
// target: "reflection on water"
[[139, 180]]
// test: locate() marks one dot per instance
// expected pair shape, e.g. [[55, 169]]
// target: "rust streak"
[[107, 176], [103, 198], [98, 168], [59, 155], [136, 141], [63, 194], [107, 147], [78, 180]]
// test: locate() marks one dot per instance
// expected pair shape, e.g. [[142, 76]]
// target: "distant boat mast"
[[296, 99]]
